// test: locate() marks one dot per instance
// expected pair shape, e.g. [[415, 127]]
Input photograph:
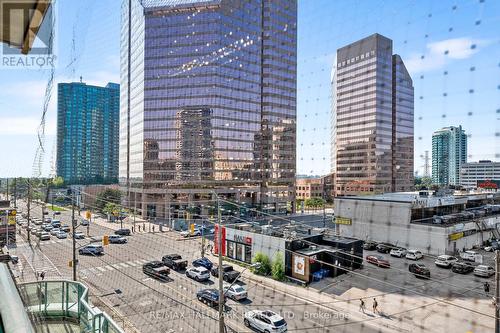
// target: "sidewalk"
[[141, 224], [398, 312]]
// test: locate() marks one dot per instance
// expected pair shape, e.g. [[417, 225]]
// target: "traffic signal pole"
[[497, 291], [73, 225]]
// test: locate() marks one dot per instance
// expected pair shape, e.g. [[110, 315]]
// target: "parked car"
[[14, 259], [414, 255], [398, 252], [235, 292], [370, 245], [208, 296], [384, 247], [229, 274], [445, 261], [65, 228], [84, 223], [420, 270], [174, 261], [56, 223], [188, 233], [378, 260], [61, 235], [123, 232], [203, 262], [468, 255], [79, 235], [54, 231], [117, 239], [484, 271], [44, 236], [38, 232], [265, 321], [462, 267], [48, 228], [156, 269], [198, 273], [92, 249]]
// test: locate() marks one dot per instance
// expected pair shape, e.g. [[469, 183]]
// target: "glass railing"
[[66, 300]]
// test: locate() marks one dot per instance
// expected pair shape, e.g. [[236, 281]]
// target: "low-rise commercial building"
[[482, 174], [315, 187], [309, 253], [432, 222]]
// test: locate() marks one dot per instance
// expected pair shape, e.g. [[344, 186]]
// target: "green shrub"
[[278, 267], [265, 264]]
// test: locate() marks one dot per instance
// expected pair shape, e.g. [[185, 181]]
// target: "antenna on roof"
[[81, 79]]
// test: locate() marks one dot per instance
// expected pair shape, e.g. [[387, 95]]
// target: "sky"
[[451, 48]]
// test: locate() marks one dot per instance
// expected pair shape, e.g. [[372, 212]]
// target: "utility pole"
[[29, 209], [73, 225], [324, 215], [497, 291], [221, 272]]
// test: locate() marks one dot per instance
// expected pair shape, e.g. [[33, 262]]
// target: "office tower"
[[209, 90], [87, 133], [372, 119], [449, 152]]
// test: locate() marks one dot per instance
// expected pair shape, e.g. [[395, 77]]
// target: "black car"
[[385, 247], [420, 270], [229, 274], [174, 261], [156, 269], [209, 297], [462, 267], [370, 246], [123, 232]]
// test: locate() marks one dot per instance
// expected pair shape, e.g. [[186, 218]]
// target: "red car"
[[378, 260]]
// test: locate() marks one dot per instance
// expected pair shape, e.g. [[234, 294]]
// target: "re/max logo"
[[243, 239]]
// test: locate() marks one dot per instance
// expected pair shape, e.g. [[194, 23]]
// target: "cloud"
[[439, 54]]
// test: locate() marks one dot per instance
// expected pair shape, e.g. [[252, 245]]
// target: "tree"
[[265, 264], [111, 209], [314, 202], [278, 267], [107, 196], [57, 182]]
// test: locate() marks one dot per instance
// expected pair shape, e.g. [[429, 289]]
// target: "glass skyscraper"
[[372, 119], [208, 103], [449, 152], [87, 133]]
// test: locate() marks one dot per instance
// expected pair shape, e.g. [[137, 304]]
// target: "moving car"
[[198, 273], [84, 223], [414, 255], [123, 232], [54, 231], [420, 270], [370, 245], [468, 255], [48, 228], [56, 223], [14, 259], [156, 269], [65, 228], [44, 236], [61, 235], [117, 239], [209, 297], [203, 262], [188, 233], [398, 252], [79, 235], [384, 247], [378, 260], [462, 267], [265, 321], [174, 261], [445, 261], [484, 271], [235, 292], [229, 274], [92, 249]]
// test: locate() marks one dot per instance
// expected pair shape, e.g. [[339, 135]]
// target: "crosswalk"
[[99, 270]]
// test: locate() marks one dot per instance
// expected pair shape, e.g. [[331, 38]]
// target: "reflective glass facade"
[[449, 152], [212, 101], [372, 119], [87, 133]]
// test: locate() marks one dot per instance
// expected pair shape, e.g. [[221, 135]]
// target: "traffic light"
[[88, 215], [191, 228], [105, 240]]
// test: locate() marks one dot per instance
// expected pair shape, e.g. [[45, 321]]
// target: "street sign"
[[105, 240]]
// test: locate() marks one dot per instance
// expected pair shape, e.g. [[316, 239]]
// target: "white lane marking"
[[109, 268], [124, 265], [102, 269], [132, 263]]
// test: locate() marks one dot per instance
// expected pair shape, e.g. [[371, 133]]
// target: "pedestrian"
[[361, 305], [139, 226], [42, 275], [486, 288], [375, 306]]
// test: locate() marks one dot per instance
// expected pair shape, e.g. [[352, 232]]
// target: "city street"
[[116, 280]]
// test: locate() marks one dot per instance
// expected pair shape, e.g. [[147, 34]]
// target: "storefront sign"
[[243, 239], [455, 236], [343, 220], [299, 264]]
